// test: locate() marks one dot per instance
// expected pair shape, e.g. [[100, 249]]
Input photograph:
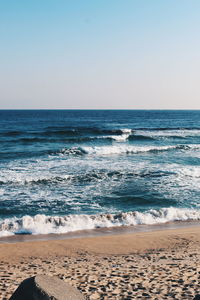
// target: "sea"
[[64, 171]]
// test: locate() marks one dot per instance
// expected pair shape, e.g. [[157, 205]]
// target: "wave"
[[100, 175], [123, 149], [119, 130], [118, 138], [88, 177], [81, 139], [170, 133], [140, 135], [80, 178], [81, 135], [118, 135], [81, 131], [167, 128], [41, 224], [85, 130], [70, 135], [71, 151]]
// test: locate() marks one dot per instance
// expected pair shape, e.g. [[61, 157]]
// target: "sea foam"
[[41, 224], [129, 149]]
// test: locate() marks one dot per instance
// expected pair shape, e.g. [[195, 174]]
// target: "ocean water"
[[68, 170]]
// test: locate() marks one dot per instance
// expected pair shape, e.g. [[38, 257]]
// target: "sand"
[[147, 265]]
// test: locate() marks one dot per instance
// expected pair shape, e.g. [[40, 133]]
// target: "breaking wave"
[[84, 134], [72, 151], [84, 130], [41, 224], [123, 149]]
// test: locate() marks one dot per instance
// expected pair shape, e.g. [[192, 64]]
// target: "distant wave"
[[123, 149], [116, 130], [78, 135], [83, 139], [96, 130], [41, 224], [75, 140], [85, 130], [66, 131], [84, 134], [170, 133], [167, 128]]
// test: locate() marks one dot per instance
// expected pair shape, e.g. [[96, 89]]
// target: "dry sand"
[[148, 265]]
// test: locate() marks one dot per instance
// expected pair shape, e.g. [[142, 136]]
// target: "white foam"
[[190, 171], [128, 149], [41, 224], [170, 133], [26, 178], [126, 130], [118, 138]]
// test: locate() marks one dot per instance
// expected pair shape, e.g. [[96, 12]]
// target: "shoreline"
[[160, 264], [115, 244], [104, 231]]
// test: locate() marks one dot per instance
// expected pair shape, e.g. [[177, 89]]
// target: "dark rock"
[[44, 287]]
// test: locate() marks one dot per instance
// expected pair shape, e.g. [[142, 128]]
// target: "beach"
[[107, 200], [160, 264]]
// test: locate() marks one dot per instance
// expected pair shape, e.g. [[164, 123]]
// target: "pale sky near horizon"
[[128, 54]]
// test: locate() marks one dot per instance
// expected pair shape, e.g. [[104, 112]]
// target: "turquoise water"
[[66, 170]]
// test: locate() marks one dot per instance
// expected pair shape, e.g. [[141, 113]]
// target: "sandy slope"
[[148, 265]]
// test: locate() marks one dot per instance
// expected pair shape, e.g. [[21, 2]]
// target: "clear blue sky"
[[100, 54]]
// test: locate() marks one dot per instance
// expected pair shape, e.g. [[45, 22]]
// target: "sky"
[[99, 54]]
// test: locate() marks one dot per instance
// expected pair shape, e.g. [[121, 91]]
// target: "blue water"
[[69, 164]]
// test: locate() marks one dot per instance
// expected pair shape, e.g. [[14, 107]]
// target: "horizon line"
[[108, 109]]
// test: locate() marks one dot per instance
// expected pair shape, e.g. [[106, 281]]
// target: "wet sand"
[[162, 264]]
